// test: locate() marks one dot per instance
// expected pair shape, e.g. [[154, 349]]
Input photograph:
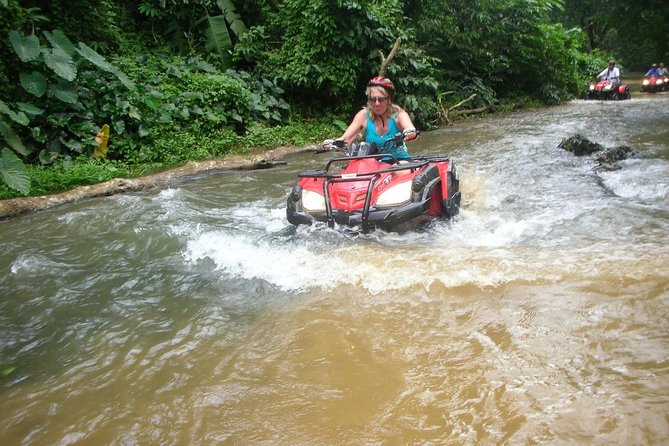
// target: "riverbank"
[[256, 160]]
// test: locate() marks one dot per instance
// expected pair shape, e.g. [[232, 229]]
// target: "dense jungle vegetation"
[[92, 90]]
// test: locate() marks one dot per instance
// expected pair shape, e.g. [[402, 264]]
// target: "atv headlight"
[[395, 195], [592, 87], [312, 201], [607, 87], [658, 82], [646, 82]]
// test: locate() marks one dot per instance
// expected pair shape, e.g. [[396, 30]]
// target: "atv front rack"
[[371, 177]]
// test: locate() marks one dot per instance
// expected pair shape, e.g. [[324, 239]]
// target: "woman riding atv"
[[382, 119]]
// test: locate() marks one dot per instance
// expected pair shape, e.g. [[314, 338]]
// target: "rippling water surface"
[[198, 315]]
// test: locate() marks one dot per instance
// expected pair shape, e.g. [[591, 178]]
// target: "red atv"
[[369, 188], [653, 84], [605, 90]]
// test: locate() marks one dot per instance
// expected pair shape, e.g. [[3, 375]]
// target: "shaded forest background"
[[177, 80]]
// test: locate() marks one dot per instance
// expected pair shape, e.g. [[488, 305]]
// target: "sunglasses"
[[378, 99]]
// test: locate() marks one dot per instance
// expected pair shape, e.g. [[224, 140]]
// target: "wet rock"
[[613, 154], [579, 145], [606, 158]]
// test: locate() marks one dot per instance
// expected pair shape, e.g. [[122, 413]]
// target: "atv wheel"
[[615, 96]]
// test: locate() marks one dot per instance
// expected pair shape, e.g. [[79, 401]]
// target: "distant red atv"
[[605, 90], [653, 84]]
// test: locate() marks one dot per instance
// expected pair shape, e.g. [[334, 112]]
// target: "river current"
[[197, 314]]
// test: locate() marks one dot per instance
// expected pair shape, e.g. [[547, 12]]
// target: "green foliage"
[[295, 133], [209, 25], [634, 31], [98, 23], [266, 101], [181, 100], [324, 48], [485, 46], [67, 124]]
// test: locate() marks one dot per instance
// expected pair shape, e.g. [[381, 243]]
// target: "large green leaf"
[[27, 48], [58, 39], [218, 38], [13, 139], [30, 109], [3, 107], [34, 83], [14, 172], [94, 57], [60, 62], [19, 118], [232, 16], [125, 80], [65, 91]]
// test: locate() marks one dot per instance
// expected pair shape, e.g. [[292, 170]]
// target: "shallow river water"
[[197, 315]]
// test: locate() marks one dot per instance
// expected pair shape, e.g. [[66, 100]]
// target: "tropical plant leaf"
[[28, 108], [19, 118], [119, 127], [65, 91], [3, 107], [4, 3], [14, 172], [71, 144], [143, 131], [101, 141], [125, 80], [218, 38], [232, 16], [34, 83], [13, 139], [27, 48], [49, 156], [94, 57], [58, 39], [60, 62]]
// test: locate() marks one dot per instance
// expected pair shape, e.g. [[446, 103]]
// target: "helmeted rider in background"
[[654, 71], [610, 74]]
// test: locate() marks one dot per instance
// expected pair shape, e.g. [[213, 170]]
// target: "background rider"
[[611, 73]]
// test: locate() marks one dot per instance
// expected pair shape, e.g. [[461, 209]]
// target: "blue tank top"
[[371, 136]]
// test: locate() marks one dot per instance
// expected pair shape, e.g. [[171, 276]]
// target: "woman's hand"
[[410, 134]]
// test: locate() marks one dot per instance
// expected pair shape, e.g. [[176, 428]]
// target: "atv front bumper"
[[386, 219]]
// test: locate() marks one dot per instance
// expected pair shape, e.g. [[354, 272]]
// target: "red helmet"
[[383, 82]]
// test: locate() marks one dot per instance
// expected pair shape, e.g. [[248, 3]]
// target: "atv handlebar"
[[399, 139], [341, 145]]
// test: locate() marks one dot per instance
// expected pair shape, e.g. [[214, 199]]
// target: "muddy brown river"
[[197, 314]]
